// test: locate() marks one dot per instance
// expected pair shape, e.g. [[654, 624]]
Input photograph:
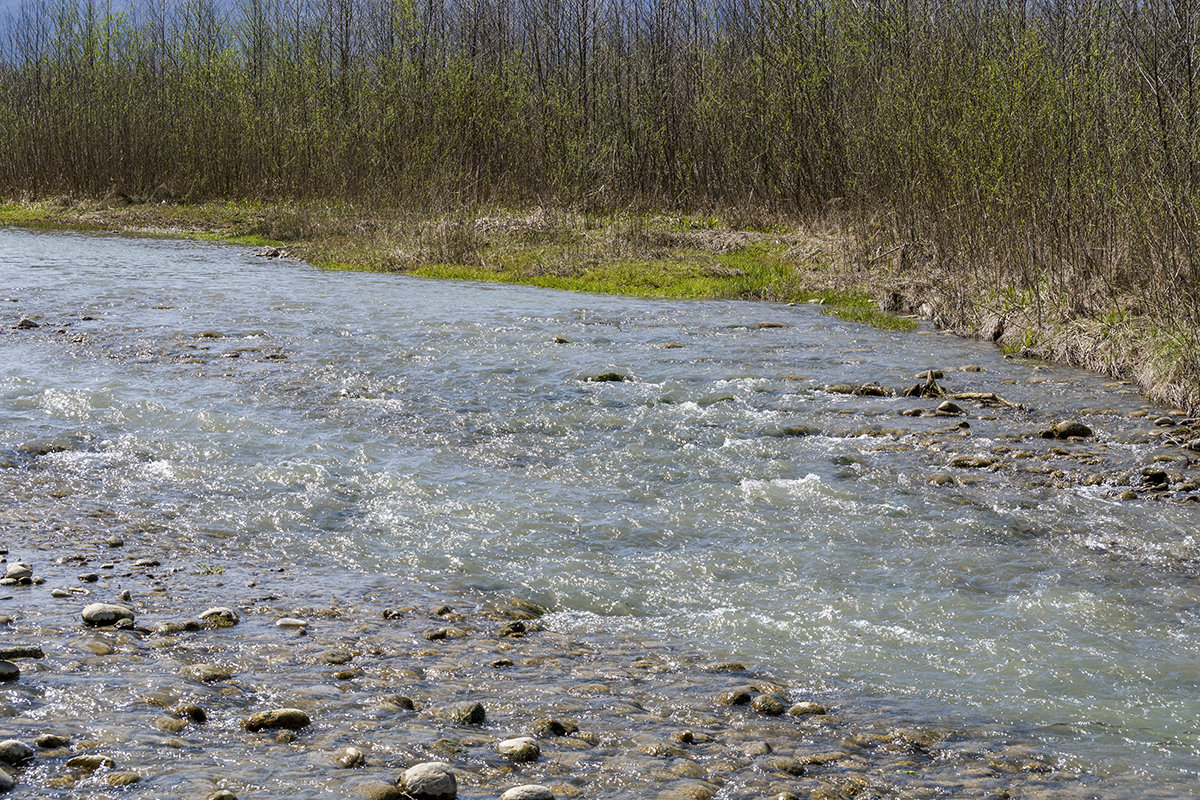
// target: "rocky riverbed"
[[300, 689]]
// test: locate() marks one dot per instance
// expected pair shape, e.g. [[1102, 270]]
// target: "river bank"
[[698, 257]]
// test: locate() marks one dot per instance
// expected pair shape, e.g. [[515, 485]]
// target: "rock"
[[219, 617], [608, 377], [15, 753], [940, 479], [206, 673], [9, 671], [840, 388], [289, 718], [169, 724], [972, 462], [872, 390], [115, 541], [1067, 429], [350, 757], [433, 780], [26, 324], [89, 577], [519, 749], [1155, 478], [52, 741], [1164, 422], [146, 563], [60, 594], [806, 707], [11, 651], [530, 791], [467, 713], [122, 778], [768, 704], [335, 657], [18, 571], [191, 712], [400, 701], [222, 794], [291, 622], [7, 784], [90, 762], [787, 431], [553, 727], [100, 614], [949, 408], [380, 790], [759, 748], [734, 697], [792, 766]]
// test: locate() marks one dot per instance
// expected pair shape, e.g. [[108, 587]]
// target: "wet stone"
[[349, 758], [191, 712], [222, 794], [547, 727], [466, 713], [219, 617], [768, 704], [90, 762], [287, 718], [122, 778], [206, 673], [433, 780], [9, 671], [530, 791], [805, 708], [335, 657], [15, 753], [102, 614], [734, 697], [519, 749], [52, 741]]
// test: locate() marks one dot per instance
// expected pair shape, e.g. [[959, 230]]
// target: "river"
[[370, 430]]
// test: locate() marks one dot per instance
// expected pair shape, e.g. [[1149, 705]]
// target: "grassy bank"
[[671, 256], [630, 254]]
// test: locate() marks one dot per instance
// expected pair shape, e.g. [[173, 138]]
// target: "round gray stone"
[[531, 791], [106, 614], [520, 749], [9, 671], [432, 780]]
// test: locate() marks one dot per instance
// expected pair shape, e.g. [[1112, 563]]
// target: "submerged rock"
[[608, 377], [466, 713], [52, 741], [287, 718], [9, 671], [90, 762]]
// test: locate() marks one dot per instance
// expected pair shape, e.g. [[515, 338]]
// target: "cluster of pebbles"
[[272, 693], [1052, 453]]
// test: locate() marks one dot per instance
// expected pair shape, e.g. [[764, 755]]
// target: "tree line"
[[1049, 144]]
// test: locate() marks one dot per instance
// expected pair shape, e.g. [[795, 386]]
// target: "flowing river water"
[[266, 430]]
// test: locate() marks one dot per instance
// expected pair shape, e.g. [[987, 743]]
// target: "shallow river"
[[366, 429]]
